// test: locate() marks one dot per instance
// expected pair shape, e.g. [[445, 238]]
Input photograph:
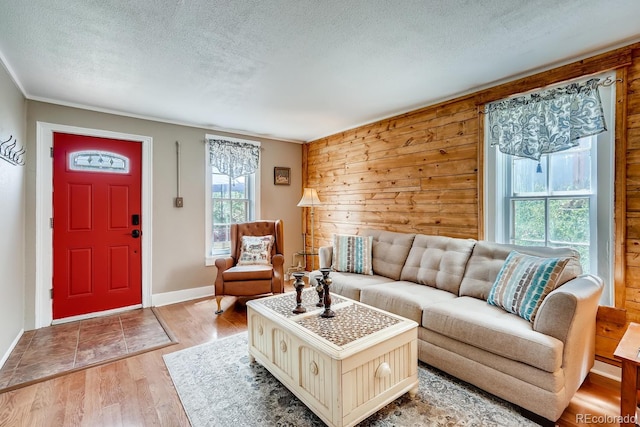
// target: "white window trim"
[[210, 259], [496, 212]]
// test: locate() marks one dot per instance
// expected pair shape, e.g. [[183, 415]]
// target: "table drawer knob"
[[283, 346], [313, 367], [260, 330], [383, 371]]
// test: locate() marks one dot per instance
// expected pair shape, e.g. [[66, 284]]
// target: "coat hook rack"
[[11, 152]]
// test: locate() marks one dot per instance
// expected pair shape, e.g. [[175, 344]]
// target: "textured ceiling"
[[291, 69]]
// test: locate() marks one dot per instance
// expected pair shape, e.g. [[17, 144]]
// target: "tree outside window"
[[230, 201], [551, 200]]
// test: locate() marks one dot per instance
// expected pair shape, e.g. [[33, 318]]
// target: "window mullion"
[[546, 221]]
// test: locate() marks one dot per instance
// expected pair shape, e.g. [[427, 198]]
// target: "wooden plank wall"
[[422, 172]]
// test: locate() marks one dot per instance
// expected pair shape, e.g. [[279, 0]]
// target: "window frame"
[[253, 183], [498, 195]]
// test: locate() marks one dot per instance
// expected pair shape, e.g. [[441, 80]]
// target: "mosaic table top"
[[285, 303], [352, 321]]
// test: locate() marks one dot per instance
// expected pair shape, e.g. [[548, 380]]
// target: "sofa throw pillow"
[[352, 254], [255, 250], [523, 282]]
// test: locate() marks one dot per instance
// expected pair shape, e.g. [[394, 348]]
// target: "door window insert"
[[98, 161]]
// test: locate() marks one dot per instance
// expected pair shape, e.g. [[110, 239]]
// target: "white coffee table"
[[343, 368]]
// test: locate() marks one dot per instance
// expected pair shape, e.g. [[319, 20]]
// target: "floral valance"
[[547, 121], [233, 158]]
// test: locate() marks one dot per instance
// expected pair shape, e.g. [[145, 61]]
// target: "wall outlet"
[[179, 202]]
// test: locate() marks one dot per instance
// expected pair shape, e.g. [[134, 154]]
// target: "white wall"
[[178, 259], [12, 213]]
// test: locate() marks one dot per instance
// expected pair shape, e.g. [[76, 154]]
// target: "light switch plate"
[[179, 202]]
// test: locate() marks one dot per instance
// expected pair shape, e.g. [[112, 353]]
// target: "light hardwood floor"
[[138, 391]]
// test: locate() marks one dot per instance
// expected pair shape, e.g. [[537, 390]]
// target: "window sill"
[[211, 260]]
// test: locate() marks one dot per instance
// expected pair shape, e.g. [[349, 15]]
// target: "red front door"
[[96, 224]]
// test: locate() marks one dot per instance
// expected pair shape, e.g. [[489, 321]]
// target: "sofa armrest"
[[325, 255], [568, 313], [569, 308]]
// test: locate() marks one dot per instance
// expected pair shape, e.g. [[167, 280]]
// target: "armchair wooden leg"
[[218, 301]]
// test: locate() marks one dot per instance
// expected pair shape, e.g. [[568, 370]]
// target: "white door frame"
[[44, 211]]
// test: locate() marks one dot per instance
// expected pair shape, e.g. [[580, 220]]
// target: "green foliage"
[[230, 211], [528, 221], [568, 224]]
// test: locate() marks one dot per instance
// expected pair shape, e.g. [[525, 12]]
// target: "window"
[[229, 199], [551, 204], [566, 199]]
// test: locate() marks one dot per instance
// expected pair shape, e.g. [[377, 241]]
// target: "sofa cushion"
[[523, 282], [248, 272], [487, 259], [389, 251], [433, 346], [352, 254], [437, 261], [350, 284], [474, 322], [406, 299]]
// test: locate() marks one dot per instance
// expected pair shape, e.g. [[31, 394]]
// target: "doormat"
[[50, 352]]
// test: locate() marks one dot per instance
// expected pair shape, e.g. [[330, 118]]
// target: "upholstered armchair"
[[250, 270]]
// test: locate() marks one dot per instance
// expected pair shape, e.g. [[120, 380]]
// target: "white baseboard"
[[13, 345], [606, 370], [174, 297]]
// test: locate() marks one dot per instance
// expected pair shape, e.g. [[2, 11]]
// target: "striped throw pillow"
[[523, 282], [352, 254]]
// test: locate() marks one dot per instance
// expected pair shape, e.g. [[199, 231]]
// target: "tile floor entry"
[[48, 352]]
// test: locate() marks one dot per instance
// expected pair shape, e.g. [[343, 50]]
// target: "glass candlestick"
[[299, 284], [326, 283]]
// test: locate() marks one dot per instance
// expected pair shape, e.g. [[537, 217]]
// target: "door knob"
[[136, 233]]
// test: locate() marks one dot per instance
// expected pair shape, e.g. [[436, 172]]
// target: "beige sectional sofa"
[[443, 283]]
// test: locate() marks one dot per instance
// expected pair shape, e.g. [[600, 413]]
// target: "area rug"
[[218, 386]]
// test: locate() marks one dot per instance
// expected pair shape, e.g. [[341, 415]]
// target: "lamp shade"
[[309, 198]]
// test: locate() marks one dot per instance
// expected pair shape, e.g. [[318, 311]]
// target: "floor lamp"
[[310, 200]]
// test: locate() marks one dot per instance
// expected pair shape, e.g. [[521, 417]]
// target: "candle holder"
[[299, 284], [326, 283], [319, 290]]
